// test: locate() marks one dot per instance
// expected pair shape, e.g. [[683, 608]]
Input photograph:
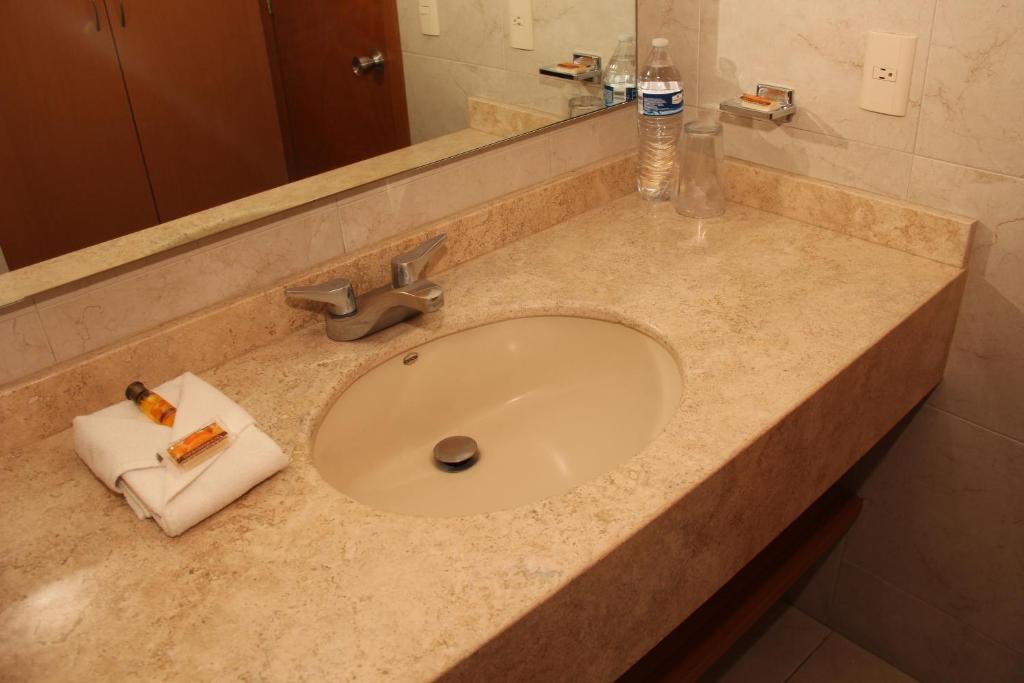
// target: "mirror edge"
[[17, 287]]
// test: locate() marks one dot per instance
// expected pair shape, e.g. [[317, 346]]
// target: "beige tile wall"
[[940, 524], [472, 57], [63, 325], [932, 576]]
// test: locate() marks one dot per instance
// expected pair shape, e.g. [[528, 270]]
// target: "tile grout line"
[[835, 580], [905, 193], [979, 169], [924, 77], [914, 161], [827, 136], [855, 642], [982, 427], [911, 153], [46, 334], [474, 65], [810, 654], [912, 596]]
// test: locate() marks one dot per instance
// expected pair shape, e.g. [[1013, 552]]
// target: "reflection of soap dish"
[[564, 69], [583, 67]]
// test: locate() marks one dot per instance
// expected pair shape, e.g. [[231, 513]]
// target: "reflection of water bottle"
[[620, 74], [659, 122]]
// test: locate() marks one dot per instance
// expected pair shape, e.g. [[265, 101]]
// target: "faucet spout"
[[384, 307], [350, 317], [422, 296]]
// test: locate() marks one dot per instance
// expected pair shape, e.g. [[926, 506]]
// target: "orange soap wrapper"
[[197, 447]]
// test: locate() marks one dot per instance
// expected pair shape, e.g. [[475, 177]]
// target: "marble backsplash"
[[39, 405], [86, 317]]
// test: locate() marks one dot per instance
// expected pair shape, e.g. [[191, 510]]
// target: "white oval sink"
[[551, 402]]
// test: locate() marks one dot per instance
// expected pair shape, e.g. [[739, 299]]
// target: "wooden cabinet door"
[[199, 80], [336, 117], [71, 172]]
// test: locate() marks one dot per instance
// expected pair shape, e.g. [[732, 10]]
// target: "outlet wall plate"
[[430, 25], [888, 68], [520, 24]]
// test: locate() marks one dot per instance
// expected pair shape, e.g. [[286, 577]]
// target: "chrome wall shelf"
[[781, 94]]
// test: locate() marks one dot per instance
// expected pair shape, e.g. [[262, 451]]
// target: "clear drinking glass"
[[584, 104], [700, 193]]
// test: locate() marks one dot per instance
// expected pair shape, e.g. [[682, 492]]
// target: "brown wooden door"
[[71, 173], [199, 80], [335, 117]]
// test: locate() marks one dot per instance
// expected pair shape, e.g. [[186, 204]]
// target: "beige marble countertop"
[[297, 582]]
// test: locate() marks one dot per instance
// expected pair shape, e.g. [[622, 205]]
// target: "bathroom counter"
[[799, 348]]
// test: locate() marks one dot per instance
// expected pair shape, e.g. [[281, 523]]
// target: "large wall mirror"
[[137, 117]]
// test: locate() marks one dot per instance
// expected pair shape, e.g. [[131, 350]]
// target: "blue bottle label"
[[609, 94], [661, 103]]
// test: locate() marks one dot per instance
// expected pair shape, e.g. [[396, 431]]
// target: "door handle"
[[124, 19], [362, 65]]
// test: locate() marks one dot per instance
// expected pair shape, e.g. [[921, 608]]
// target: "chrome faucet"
[[349, 317]]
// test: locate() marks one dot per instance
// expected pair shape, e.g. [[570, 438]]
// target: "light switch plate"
[[888, 68], [430, 25], [520, 24]]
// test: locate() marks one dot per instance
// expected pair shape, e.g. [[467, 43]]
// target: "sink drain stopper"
[[456, 452]]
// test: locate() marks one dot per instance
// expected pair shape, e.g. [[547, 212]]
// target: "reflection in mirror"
[[124, 114]]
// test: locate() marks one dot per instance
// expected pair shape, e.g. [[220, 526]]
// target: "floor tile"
[[921, 640], [838, 660], [772, 650]]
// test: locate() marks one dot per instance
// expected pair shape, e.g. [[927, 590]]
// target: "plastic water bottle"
[[620, 74], [659, 122]]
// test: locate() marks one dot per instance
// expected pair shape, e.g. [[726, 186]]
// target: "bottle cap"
[[625, 36], [660, 42], [134, 390]]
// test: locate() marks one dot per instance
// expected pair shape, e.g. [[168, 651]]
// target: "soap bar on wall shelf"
[[782, 105]]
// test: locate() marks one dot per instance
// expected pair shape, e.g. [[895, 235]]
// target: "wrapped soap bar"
[[758, 103], [197, 447]]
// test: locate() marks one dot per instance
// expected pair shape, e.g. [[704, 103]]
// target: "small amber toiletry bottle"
[[153, 406]]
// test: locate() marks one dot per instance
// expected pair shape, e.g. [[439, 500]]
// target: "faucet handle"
[[337, 294], [407, 268]]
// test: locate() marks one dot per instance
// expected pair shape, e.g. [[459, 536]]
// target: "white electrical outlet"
[[430, 25], [888, 67], [883, 73], [520, 24]]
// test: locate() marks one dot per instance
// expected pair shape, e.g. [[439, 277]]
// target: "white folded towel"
[[119, 444]]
